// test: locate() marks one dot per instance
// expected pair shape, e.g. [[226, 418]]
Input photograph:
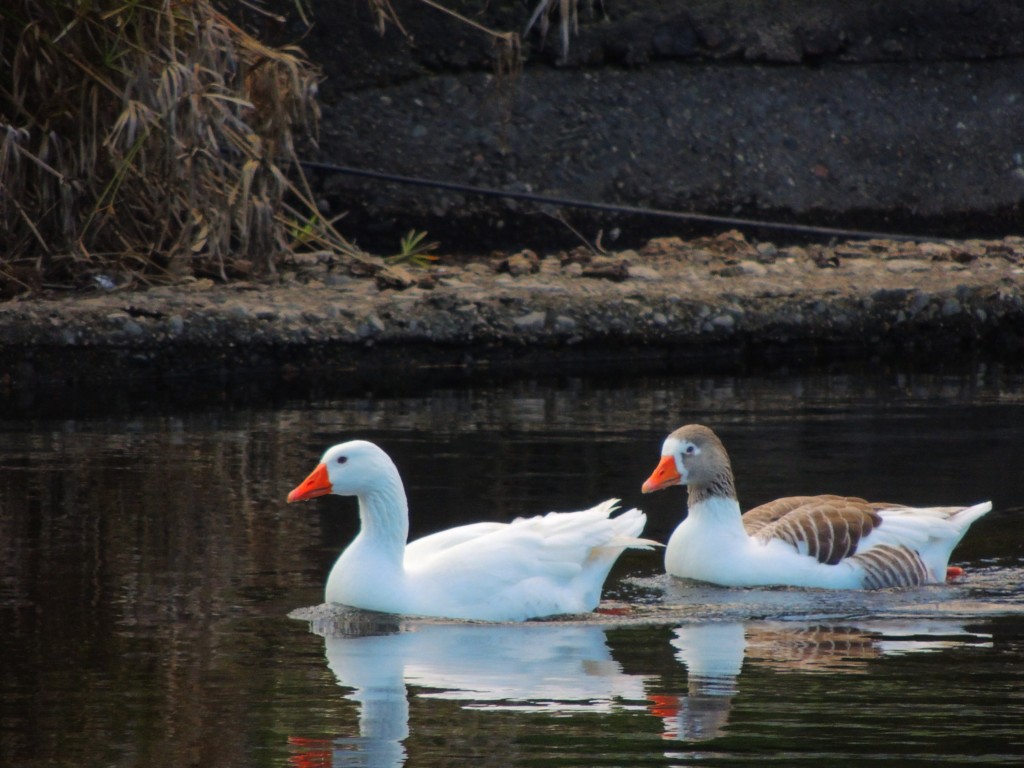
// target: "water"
[[160, 604]]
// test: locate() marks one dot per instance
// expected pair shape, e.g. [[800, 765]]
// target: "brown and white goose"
[[836, 542]]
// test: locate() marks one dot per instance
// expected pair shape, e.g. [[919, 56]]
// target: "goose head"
[[355, 468], [693, 456]]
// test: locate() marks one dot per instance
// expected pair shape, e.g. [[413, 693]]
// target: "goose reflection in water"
[[714, 653], [543, 667], [568, 668]]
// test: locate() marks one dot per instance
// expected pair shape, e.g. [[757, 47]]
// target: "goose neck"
[[715, 509], [384, 519], [721, 489]]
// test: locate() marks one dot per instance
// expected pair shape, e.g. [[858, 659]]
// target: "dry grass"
[[149, 141], [567, 12], [508, 48]]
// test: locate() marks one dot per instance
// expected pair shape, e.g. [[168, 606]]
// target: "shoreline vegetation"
[[145, 144], [153, 142]]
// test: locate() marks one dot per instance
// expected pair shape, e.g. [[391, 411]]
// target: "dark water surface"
[[159, 602]]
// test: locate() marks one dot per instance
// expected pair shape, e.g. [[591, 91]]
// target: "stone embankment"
[[668, 302]]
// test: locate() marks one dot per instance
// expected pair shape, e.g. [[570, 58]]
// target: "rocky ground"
[[670, 304], [891, 116]]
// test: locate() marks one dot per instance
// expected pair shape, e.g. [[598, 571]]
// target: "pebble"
[[132, 328], [640, 272], [371, 327], [919, 302], [534, 321], [724, 321], [900, 266], [935, 250]]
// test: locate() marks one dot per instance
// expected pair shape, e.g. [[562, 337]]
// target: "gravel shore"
[[669, 304]]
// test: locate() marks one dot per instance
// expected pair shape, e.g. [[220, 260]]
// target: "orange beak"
[[317, 484], [664, 475]]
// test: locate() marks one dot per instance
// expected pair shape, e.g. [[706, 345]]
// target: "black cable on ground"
[[702, 218]]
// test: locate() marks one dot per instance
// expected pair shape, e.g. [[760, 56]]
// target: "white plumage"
[[531, 567]]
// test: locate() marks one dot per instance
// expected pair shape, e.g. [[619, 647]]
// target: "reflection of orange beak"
[[310, 753], [317, 484], [667, 708], [664, 475], [662, 705]]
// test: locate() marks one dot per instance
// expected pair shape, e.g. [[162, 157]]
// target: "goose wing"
[[827, 528], [559, 559]]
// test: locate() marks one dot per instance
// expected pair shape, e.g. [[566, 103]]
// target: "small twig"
[[507, 36], [561, 220]]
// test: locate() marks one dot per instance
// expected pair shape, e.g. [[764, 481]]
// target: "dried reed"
[[149, 141]]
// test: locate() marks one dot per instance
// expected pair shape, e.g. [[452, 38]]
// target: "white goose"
[[803, 541], [531, 567]]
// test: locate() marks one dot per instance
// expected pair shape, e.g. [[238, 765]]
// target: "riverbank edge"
[[717, 303]]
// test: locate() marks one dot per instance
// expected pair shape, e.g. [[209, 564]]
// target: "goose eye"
[[690, 450], [341, 459]]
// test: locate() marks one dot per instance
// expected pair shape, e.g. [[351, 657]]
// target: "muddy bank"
[[721, 302]]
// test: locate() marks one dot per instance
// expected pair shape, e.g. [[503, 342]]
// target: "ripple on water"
[[984, 592]]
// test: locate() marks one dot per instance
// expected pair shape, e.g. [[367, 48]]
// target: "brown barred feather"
[[828, 527], [888, 566], [758, 517]]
